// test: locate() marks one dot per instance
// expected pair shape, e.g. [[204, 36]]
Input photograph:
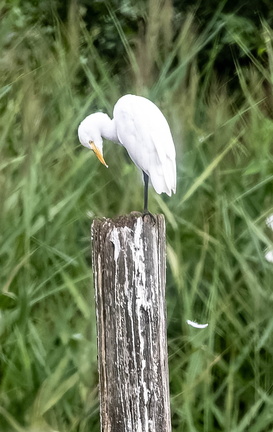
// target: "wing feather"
[[144, 132]]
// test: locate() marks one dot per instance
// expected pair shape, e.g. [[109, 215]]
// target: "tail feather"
[[163, 177]]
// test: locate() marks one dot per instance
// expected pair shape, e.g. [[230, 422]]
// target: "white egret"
[[140, 127]]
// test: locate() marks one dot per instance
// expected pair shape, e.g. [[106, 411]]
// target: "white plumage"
[[140, 127]]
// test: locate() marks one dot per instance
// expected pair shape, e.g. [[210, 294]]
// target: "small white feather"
[[269, 256], [269, 222], [196, 325]]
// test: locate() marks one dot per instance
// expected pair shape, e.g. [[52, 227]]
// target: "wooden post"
[[129, 267]]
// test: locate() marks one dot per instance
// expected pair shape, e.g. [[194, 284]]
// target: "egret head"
[[90, 135]]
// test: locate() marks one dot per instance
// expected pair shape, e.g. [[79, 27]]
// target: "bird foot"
[[147, 213]]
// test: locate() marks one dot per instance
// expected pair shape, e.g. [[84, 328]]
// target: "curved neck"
[[108, 130]]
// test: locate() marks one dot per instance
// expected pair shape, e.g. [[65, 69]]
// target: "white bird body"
[[142, 129]]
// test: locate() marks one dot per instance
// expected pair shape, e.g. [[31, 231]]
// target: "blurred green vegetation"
[[54, 70]]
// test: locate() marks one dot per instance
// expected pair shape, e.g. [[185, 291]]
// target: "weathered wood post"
[[129, 266]]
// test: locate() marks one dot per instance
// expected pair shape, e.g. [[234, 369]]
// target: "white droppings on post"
[[141, 303], [114, 238]]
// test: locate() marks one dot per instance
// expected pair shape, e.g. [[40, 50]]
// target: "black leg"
[[146, 182], [146, 211]]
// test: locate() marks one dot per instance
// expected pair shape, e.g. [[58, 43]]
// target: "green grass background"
[[51, 189]]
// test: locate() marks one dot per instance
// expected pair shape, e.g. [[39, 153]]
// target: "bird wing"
[[144, 132]]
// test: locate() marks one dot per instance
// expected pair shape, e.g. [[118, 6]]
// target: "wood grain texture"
[[129, 267]]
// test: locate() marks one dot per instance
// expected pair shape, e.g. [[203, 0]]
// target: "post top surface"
[[129, 220]]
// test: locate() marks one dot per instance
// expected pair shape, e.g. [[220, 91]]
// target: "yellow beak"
[[97, 153]]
